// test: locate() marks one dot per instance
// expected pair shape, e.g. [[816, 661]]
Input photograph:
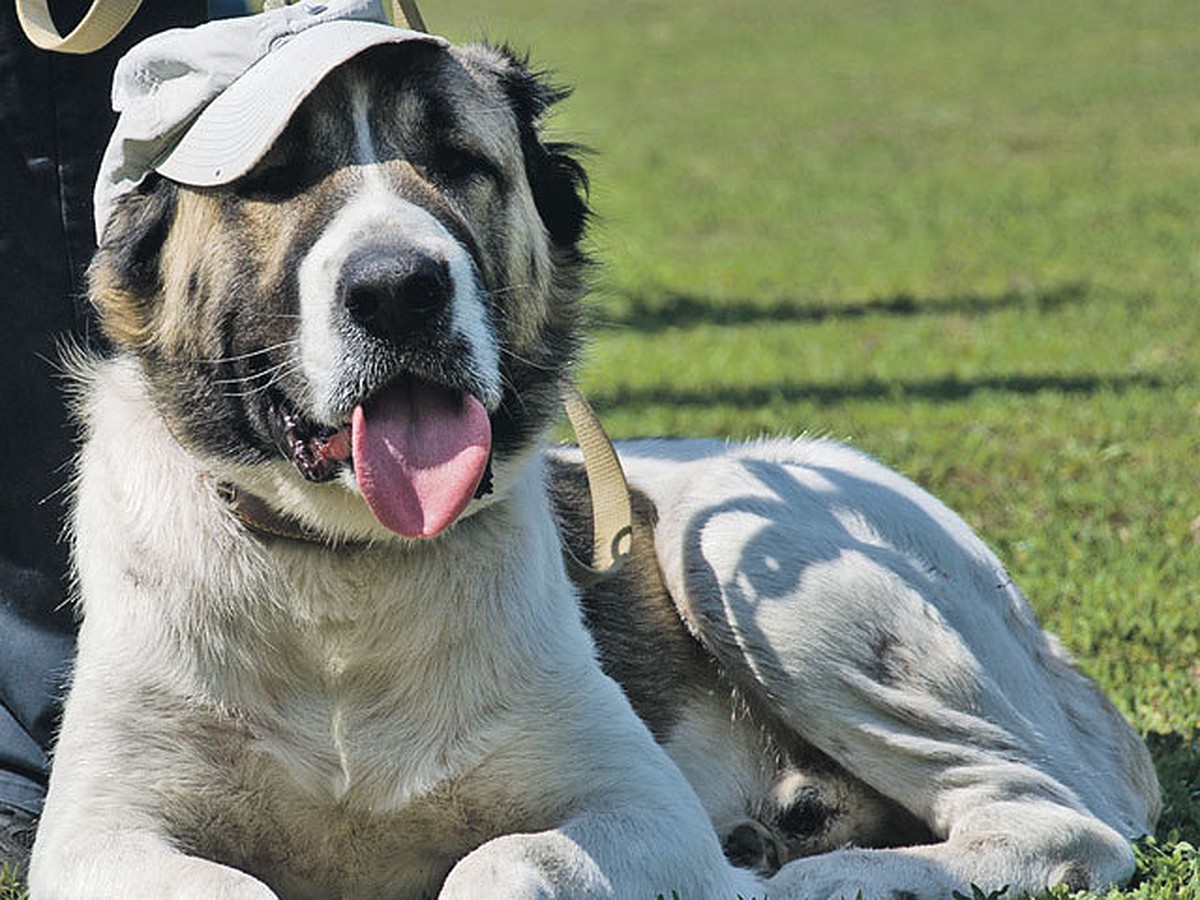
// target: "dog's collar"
[[257, 517], [612, 521]]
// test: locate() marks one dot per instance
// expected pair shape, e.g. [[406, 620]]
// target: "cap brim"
[[238, 127]]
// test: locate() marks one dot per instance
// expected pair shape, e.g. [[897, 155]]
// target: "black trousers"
[[55, 119]]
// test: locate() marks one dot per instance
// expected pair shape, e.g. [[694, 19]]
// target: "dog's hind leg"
[[868, 618]]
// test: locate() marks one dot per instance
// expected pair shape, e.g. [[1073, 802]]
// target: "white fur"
[[413, 693], [375, 210], [814, 568], [724, 757], [378, 210]]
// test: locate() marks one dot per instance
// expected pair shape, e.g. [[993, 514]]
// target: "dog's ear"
[[556, 177], [125, 277]]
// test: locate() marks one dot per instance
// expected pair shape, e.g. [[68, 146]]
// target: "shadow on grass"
[[1177, 761], [651, 314], [947, 389]]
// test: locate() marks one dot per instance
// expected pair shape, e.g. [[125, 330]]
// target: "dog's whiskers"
[[510, 289], [273, 376], [241, 357], [526, 361], [268, 372], [511, 390]]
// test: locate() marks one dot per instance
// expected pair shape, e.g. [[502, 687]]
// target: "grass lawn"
[[964, 237]]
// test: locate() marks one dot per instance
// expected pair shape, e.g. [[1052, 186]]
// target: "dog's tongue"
[[419, 454]]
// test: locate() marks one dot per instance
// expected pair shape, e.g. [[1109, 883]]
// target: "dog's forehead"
[[411, 95]]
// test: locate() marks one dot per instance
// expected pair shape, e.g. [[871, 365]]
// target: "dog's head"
[[387, 303]]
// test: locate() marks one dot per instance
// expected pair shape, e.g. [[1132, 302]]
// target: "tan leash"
[[612, 520], [406, 15], [105, 19], [403, 13], [100, 24]]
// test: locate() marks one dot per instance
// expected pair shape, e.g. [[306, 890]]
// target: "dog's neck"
[[257, 516], [612, 524]]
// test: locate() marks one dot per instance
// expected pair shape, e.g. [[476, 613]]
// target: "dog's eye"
[[273, 183], [458, 164]]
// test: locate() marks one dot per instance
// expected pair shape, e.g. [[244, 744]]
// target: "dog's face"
[[388, 301]]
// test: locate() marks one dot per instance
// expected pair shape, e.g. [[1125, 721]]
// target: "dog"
[[329, 647]]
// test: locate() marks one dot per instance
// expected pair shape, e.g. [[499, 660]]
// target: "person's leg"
[[54, 122], [17, 828]]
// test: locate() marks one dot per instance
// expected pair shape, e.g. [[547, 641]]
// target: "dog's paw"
[[228, 888], [140, 874], [526, 867], [870, 874]]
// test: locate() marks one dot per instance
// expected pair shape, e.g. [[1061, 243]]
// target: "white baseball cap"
[[202, 105]]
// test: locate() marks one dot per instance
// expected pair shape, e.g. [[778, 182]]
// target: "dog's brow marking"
[[364, 145]]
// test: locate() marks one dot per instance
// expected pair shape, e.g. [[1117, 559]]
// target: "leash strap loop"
[[612, 518], [406, 15], [105, 19], [102, 22]]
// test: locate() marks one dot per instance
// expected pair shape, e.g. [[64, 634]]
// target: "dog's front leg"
[[91, 865], [625, 822]]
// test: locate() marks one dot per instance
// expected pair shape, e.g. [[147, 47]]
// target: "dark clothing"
[[54, 122]]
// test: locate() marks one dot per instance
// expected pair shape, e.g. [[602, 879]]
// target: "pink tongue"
[[419, 454]]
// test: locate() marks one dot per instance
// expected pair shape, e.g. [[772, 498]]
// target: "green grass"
[[962, 236], [10, 886]]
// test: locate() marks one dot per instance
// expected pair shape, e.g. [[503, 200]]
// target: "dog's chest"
[[344, 768], [304, 847], [357, 702]]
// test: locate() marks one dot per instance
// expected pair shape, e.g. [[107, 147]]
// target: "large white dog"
[[329, 648]]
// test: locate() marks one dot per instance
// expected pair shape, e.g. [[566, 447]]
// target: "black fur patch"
[[558, 179], [806, 816], [125, 275], [558, 183], [751, 846], [642, 643]]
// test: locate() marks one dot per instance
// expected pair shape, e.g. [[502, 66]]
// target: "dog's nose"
[[392, 295]]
